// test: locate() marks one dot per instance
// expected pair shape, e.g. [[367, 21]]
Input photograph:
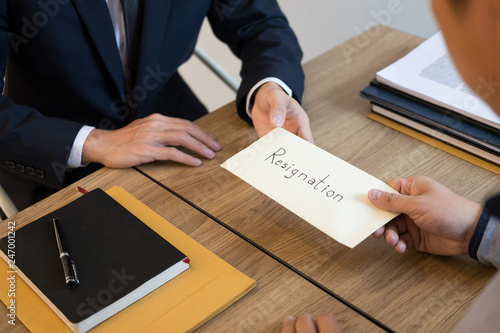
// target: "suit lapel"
[[96, 17]]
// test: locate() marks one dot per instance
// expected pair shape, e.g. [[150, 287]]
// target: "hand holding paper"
[[324, 190], [436, 220], [274, 108]]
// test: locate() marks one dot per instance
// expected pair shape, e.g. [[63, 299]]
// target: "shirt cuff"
[[75, 156], [477, 237], [260, 83]]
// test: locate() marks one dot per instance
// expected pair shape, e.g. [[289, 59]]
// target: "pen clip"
[[73, 282]]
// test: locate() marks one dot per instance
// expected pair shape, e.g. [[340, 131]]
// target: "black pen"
[[67, 263]]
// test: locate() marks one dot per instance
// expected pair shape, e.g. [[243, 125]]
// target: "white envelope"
[[324, 190]]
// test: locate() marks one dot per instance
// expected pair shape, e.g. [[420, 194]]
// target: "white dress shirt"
[[117, 18]]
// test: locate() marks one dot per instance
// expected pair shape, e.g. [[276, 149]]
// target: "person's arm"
[[258, 33], [36, 142], [31, 145], [149, 139]]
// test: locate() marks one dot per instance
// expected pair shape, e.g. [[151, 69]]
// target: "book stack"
[[423, 91]]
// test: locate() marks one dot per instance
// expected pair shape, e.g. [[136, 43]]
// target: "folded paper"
[[324, 190]]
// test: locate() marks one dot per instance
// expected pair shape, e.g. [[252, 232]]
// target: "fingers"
[[271, 95], [305, 131], [159, 130], [395, 239], [405, 242], [296, 119], [412, 186], [434, 219], [169, 124], [288, 325], [396, 184], [397, 234], [149, 139], [203, 136], [170, 120], [379, 232], [273, 108], [173, 154], [278, 113], [184, 139], [326, 323], [391, 234], [305, 324]]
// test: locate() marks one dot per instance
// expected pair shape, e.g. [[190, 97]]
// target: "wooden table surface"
[[411, 292], [279, 291]]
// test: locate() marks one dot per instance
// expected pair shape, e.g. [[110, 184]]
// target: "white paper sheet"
[[324, 190], [429, 73]]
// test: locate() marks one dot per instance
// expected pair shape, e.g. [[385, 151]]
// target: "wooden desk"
[[279, 291], [413, 292]]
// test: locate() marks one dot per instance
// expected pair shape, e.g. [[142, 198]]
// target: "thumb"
[[288, 325], [393, 202]]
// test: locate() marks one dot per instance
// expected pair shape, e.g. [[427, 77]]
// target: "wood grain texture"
[[413, 292], [279, 291]]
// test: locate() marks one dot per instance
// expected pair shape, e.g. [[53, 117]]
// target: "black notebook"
[[118, 258]]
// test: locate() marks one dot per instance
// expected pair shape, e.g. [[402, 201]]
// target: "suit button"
[[10, 164], [30, 171], [40, 173], [20, 168]]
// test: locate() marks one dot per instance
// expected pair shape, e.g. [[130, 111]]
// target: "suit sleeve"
[[259, 34], [31, 145]]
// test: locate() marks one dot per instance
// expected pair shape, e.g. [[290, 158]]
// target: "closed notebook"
[[119, 259], [183, 304]]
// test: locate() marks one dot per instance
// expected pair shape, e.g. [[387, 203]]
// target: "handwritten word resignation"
[[293, 173]]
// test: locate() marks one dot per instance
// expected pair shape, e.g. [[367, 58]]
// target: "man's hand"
[[435, 219], [274, 108], [325, 323], [149, 139]]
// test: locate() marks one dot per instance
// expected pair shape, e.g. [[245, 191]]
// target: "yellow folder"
[[435, 143], [183, 304]]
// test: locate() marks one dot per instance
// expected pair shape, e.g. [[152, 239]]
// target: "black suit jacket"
[[62, 70]]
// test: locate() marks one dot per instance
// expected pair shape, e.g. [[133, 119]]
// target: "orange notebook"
[[181, 305]]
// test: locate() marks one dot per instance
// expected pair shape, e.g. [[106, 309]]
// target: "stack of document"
[[424, 92]]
